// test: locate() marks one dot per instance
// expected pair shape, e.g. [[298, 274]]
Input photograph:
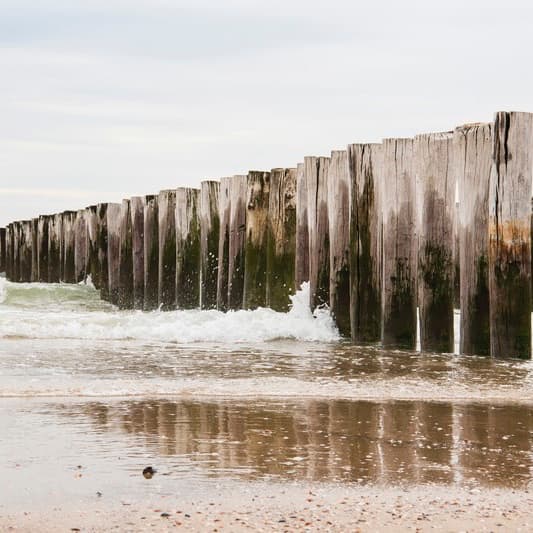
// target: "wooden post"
[[456, 258], [101, 243], [510, 237], [34, 230], [237, 236], [255, 254], [113, 251], [223, 244], [68, 246], [26, 244], [281, 242], [339, 240], [93, 266], [42, 248], [316, 176], [400, 244], [472, 162], [151, 253], [9, 251], [2, 249], [54, 248], [436, 209], [80, 247], [364, 165], [125, 290], [167, 249], [209, 239], [302, 228], [137, 244], [187, 248]]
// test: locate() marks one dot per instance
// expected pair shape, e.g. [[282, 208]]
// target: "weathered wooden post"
[[93, 265], [2, 249], [167, 249], [17, 233], [209, 240], [81, 252], [456, 259], [364, 166], [237, 237], [255, 253], [436, 209], [281, 242], [113, 251], [34, 230], [151, 253], [9, 251], [472, 163], [187, 248], [25, 253], [223, 244], [400, 244], [509, 235], [42, 248], [125, 289], [101, 244], [339, 240], [68, 246], [137, 245], [54, 248], [302, 228], [316, 177]]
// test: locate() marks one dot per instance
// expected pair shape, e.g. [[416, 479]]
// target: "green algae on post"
[[167, 249], [151, 253], [209, 240]]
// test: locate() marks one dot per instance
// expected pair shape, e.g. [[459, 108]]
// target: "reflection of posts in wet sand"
[[396, 443], [494, 444]]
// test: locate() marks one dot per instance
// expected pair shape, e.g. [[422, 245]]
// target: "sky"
[[105, 99]]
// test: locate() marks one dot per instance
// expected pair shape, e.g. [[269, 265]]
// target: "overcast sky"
[[105, 99]]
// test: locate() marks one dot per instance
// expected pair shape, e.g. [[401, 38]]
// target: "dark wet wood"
[[34, 228], [473, 162], [237, 237], [2, 249], [101, 244], [281, 241], [54, 248], [42, 248], [187, 248], [125, 289], [25, 251], [339, 240], [68, 245], [510, 236], [209, 242], [436, 181], [93, 265], [223, 244], [364, 166], [113, 251], [400, 244], [151, 253], [302, 228], [255, 262], [137, 248], [81, 247], [167, 249]]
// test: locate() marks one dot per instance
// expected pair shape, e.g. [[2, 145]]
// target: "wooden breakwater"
[[378, 230]]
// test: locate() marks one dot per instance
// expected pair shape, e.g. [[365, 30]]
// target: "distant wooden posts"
[[34, 227], [113, 251], [137, 247], [255, 255], [187, 248], [2, 249], [400, 243], [151, 253], [17, 249], [339, 240], [9, 252], [102, 245], [93, 266], [237, 234], [509, 235], [472, 163], [81, 248], [281, 241], [436, 206], [125, 289], [68, 274], [42, 248], [25, 253], [223, 244], [316, 177], [364, 166], [209, 242], [167, 249], [54, 248], [302, 228]]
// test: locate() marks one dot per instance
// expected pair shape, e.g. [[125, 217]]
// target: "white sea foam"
[[42, 311]]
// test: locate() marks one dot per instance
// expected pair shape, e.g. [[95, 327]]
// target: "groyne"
[[379, 230]]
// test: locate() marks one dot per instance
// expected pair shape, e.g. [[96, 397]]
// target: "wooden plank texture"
[[237, 237], [302, 228], [137, 248], [223, 244], [167, 249], [209, 241], [113, 251], [151, 253], [125, 289], [81, 248]]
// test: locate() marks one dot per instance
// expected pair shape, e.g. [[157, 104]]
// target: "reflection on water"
[[397, 443]]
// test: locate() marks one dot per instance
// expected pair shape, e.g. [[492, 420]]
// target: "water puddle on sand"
[[75, 449]]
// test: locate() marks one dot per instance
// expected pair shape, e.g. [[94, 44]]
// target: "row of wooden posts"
[[375, 229]]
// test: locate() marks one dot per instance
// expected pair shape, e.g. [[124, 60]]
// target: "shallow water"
[[249, 395]]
